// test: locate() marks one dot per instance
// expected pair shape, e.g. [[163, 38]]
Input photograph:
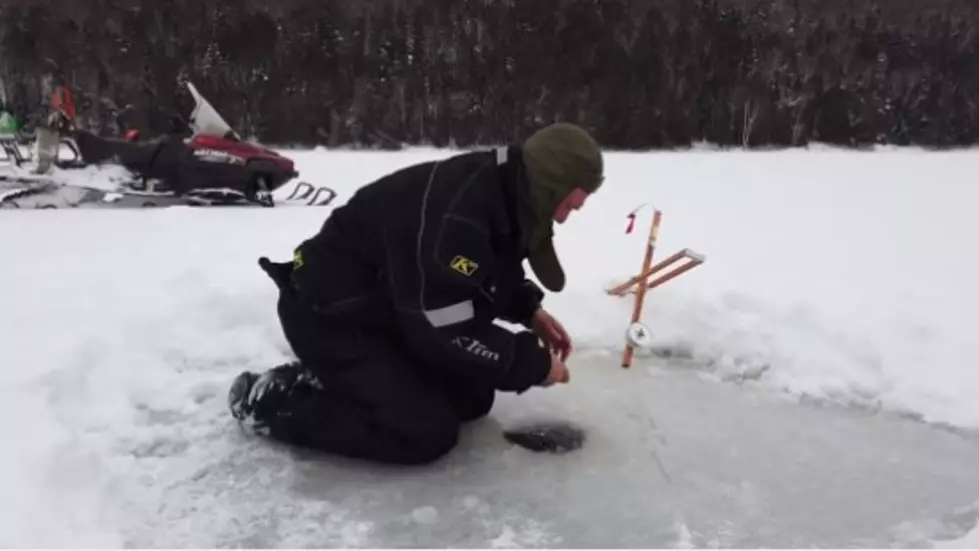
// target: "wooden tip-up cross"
[[643, 282]]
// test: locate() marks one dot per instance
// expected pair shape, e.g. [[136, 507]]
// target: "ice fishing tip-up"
[[650, 276]]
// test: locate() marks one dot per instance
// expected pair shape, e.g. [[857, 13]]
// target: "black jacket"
[[433, 252]]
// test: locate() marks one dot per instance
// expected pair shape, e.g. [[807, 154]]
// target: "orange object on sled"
[[61, 100]]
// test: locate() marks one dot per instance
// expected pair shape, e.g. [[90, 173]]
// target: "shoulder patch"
[[463, 265]]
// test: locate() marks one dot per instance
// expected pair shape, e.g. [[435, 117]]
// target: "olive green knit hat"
[[560, 158]]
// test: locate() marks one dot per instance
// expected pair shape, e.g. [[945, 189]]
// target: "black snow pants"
[[362, 396]]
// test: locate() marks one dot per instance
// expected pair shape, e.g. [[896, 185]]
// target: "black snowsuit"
[[390, 310]]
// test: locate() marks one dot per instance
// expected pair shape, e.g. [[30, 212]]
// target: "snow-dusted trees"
[[388, 72]]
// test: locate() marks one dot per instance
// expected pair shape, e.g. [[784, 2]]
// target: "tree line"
[[386, 73]]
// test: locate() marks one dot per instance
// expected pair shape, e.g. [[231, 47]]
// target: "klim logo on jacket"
[[464, 266], [476, 348]]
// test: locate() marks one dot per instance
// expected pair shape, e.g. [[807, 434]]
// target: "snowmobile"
[[211, 166]]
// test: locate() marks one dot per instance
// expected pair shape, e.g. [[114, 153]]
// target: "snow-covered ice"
[[813, 384]]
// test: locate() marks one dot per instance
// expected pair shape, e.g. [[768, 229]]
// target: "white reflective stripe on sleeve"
[[452, 314]]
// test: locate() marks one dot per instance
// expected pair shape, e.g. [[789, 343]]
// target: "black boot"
[[257, 399], [238, 395]]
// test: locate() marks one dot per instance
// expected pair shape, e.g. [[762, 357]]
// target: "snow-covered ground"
[[814, 383]]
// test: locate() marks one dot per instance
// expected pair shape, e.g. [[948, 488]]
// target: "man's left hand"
[[552, 333]]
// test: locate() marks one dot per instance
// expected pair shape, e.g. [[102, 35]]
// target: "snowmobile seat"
[[96, 149], [151, 159]]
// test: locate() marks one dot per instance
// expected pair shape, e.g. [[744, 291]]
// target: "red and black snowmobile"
[[208, 165]]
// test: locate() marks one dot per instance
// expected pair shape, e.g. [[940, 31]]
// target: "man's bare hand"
[[550, 330], [558, 374]]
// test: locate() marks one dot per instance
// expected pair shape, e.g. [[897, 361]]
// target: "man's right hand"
[[558, 374]]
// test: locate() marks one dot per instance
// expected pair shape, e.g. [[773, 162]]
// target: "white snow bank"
[[968, 541]]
